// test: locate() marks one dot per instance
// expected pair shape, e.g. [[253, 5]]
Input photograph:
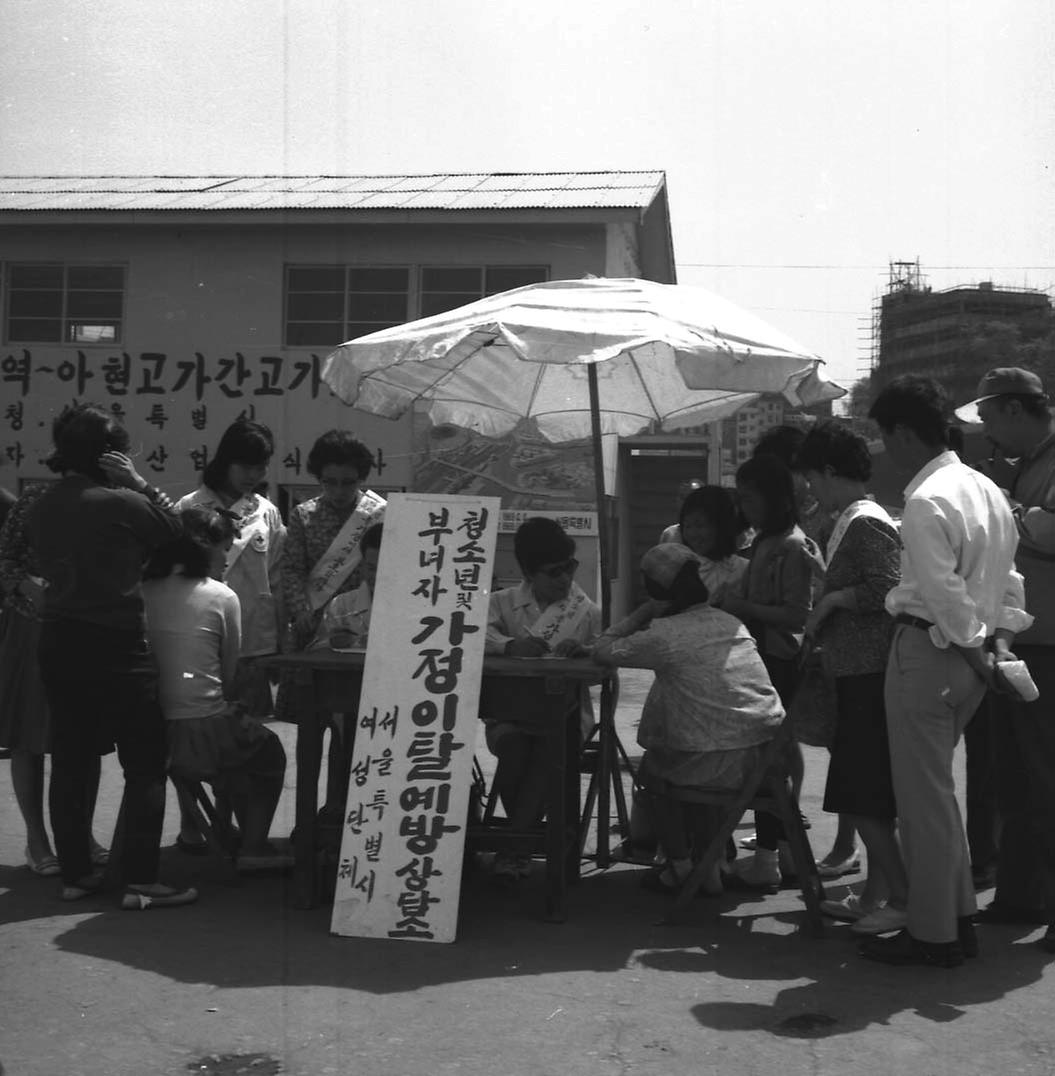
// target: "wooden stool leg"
[[801, 855]]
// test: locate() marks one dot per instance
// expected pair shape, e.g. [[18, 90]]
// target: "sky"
[[806, 145]]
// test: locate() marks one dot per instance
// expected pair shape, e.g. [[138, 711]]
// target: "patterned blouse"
[[16, 558], [313, 525], [868, 561]]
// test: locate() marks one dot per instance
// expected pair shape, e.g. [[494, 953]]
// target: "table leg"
[[605, 751], [310, 725], [556, 823]]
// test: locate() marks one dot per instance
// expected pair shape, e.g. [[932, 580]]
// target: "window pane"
[[310, 334], [438, 304], [36, 276], [324, 279], [505, 277], [26, 330], [94, 304], [82, 333], [35, 304], [314, 306], [96, 277], [391, 307], [361, 328], [461, 279], [396, 278]]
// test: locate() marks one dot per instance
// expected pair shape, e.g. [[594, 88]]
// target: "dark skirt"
[[206, 748], [859, 780], [25, 723]]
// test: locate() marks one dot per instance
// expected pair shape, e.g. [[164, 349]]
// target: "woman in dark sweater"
[[92, 531]]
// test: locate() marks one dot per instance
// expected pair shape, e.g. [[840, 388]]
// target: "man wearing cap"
[[1014, 412], [957, 608]]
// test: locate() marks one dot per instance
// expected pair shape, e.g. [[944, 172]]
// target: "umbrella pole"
[[607, 762]]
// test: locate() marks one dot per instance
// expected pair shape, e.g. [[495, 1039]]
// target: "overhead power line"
[[773, 265]]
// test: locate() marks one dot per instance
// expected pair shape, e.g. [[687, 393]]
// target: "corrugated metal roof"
[[497, 190]]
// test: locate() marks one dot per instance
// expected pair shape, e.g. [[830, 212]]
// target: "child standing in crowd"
[[194, 630], [25, 725], [91, 540], [775, 598], [548, 613], [322, 559], [709, 524]]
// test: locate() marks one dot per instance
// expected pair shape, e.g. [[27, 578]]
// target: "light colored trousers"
[[930, 696]]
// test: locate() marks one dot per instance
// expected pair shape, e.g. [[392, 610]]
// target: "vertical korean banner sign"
[[399, 872]]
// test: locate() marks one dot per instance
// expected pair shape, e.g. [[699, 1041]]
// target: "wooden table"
[[535, 689]]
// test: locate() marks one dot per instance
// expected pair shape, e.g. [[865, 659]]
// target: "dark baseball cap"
[[1003, 381]]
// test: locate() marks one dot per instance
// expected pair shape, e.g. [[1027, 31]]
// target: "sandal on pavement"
[[137, 898], [47, 866], [836, 869], [849, 910]]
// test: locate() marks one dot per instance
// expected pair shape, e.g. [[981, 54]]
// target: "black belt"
[[913, 621]]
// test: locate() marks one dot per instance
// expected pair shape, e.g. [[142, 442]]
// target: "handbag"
[[812, 712]]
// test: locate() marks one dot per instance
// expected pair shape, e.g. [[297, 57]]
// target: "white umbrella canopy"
[[663, 355]]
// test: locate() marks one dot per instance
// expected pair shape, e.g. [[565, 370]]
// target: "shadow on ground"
[[244, 934]]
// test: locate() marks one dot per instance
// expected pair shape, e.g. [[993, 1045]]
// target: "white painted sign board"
[[399, 871]]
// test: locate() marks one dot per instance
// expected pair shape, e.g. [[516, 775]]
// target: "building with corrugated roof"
[[184, 301]]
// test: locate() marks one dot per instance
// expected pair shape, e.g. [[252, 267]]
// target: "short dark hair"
[[202, 528], [245, 442], [719, 506], [772, 477], [780, 441], [831, 444], [539, 541], [918, 403], [82, 434], [371, 537], [339, 446]]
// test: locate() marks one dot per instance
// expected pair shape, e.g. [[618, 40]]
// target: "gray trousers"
[[930, 696]]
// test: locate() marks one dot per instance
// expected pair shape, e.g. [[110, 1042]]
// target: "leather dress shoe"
[[903, 950]]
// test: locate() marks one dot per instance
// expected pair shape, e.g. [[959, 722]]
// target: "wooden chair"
[[767, 788]]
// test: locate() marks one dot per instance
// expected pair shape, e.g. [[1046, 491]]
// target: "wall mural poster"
[[523, 468]]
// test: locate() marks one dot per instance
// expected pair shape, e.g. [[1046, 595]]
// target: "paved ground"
[[241, 983]]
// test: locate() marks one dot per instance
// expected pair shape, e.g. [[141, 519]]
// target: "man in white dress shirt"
[[958, 606]]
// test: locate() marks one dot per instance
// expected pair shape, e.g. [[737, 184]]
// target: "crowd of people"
[[132, 623]]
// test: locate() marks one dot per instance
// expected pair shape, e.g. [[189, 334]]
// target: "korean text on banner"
[[399, 872]]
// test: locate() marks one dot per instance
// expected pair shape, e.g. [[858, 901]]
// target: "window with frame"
[[69, 304], [446, 287], [326, 305]]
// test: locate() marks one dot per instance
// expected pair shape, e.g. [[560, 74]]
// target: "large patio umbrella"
[[582, 358]]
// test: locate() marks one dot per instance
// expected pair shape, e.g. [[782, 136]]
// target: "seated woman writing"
[[547, 614], [194, 627], [711, 708]]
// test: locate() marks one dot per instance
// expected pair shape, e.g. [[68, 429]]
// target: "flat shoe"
[[663, 880], [138, 898], [47, 866], [848, 910], [882, 921], [192, 848], [850, 865], [903, 950]]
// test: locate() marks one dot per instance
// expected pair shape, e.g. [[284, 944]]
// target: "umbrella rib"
[[644, 384]]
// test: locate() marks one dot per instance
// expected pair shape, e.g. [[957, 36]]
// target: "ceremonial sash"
[[343, 555], [852, 512], [562, 619]]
